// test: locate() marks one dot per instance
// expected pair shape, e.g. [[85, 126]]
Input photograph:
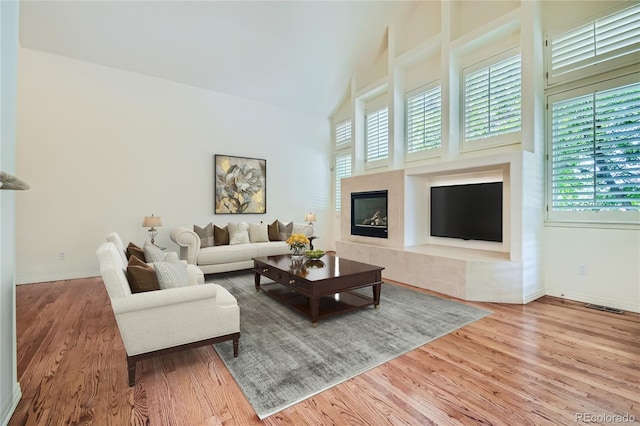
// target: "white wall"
[[600, 266], [9, 387], [102, 148]]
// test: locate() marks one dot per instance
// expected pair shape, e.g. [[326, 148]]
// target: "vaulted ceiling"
[[294, 54]]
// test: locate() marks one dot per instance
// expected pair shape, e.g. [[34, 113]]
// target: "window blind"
[[424, 112], [343, 132], [596, 151], [606, 38], [343, 169], [377, 134], [492, 98]]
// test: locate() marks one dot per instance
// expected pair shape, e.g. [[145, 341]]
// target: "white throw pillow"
[[171, 273], [258, 233], [238, 233], [152, 253]]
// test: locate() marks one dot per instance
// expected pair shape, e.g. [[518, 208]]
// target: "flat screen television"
[[369, 214], [469, 212]]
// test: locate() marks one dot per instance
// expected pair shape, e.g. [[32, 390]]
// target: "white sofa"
[[232, 257], [153, 323]]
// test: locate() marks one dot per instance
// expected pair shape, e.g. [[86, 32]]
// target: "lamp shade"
[[310, 217], [151, 221]]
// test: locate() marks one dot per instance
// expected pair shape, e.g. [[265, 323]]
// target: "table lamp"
[[151, 222], [310, 217]]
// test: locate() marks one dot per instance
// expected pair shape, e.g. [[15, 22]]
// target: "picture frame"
[[240, 185]]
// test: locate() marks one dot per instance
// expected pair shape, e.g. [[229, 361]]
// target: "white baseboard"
[[603, 301], [9, 406], [56, 277], [533, 296]]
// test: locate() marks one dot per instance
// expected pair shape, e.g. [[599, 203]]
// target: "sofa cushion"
[[205, 234], [258, 233], [227, 254], [272, 248], [152, 253], [141, 276], [134, 250], [285, 230], [220, 236], [273, 231], [238, 233], [171, 273]]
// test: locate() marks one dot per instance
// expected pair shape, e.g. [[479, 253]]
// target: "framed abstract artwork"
[[240, 185]]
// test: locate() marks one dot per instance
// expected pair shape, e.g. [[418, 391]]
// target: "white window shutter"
[[492, 100], [424, 121], [343, 133], [604, 39], [343, 170], [596, 151], [377, 134]]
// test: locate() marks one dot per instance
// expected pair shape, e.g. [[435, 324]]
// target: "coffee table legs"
[[256, 280], [376, 295], [314, 304], [314, 310]]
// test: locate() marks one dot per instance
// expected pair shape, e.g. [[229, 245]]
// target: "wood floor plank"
[[543, 363]]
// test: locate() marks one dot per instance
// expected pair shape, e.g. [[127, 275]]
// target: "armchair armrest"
[[189, 243], [162, 298], [155, 320]]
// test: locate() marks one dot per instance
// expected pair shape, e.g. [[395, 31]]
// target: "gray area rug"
[[283, 360]]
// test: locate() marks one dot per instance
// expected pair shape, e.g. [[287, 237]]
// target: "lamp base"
[[152, 234]]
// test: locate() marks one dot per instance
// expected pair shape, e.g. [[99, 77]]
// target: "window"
[[424, 112], [343, 169], [377, 134], [604, 39], [595, 151], [492, 99], [343, 133]]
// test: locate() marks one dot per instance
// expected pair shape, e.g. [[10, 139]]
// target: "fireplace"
[[369, 214]]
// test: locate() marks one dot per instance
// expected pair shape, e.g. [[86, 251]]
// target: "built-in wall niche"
[[494, 186], [470, 212]]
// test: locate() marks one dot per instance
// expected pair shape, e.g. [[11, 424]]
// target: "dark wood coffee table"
[[318, 288]]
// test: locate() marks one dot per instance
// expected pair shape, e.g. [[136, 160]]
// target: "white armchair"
[[153, 323]]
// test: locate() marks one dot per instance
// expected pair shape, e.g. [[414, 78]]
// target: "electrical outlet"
[[62, 255], [582, 270]]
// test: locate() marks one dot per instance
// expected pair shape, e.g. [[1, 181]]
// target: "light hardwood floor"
[[550, 362]]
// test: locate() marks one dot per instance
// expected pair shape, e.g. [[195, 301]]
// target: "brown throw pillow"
[[141, 276], [220, 236], [205, 234], [134, 250], [274, 231]]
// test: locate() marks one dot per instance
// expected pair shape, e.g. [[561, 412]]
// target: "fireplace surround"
[[507, 271]]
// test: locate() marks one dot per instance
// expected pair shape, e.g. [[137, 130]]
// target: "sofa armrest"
[[303, 228], [189, 243]]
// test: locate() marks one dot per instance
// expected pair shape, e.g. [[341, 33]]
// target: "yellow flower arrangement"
[[297, 242]]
